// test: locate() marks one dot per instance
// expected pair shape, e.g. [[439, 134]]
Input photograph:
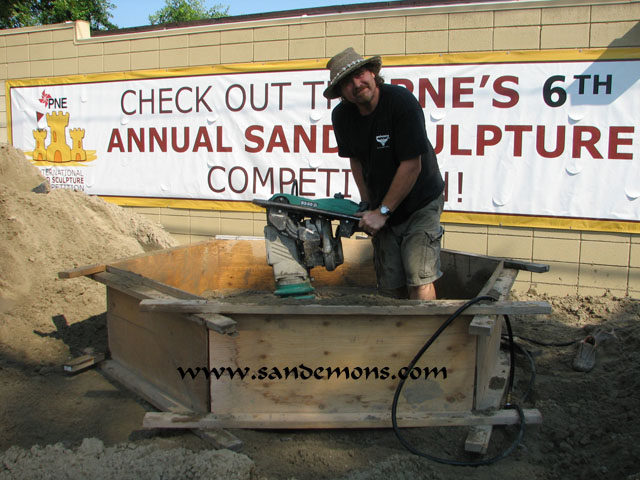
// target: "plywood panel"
[[320, 342]]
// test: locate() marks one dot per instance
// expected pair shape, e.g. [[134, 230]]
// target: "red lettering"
[[455, 139], [540, 142], [210, 179], [500, 89], [408, 84], [248, 134], [306, 180], [437, 96], [327, 135], [299, 133], [590, 143], [202, 140], [615, 141], [115, 141], [243, 175], [278, 140], [156, 138], [219, 146], [458, 92], [482, 140], [518, 130]]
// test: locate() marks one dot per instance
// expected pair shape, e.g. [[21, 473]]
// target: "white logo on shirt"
[[382, 140]]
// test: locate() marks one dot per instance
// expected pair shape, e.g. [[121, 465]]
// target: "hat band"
[[346, 67]]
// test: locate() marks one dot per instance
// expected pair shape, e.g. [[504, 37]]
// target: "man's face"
[[359, 87]]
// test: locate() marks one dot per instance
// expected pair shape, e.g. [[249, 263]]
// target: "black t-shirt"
[[394, 132]]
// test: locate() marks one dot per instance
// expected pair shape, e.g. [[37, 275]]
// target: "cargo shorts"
[[408, 254]]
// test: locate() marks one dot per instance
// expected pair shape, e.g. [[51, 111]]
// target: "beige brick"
[[3, 41], [427, 42], [634, 281], [41, 52], [117, 63], [555, 290], [204, 55], [40, 37], [17, 54], [560, 273], [173, 58], [600, 291], [512, 18], [64, 34], [144, 45], [174, 42], [258, 227], [64, 50], [241, 52], [472, 20], [385, 44], [175, 212], [204, 213], [464, 228], [635, 238], [270, 33], [200, 238], [3, 55], [4, 73], [385, 25], [554, 249], [306, 48], [112, 48], [337, 44], [152, 217], [65, 66], [605, 237], [427, 22], [602, 253], [43, 68], [620, 34], [228, 215], [516, 38], [4, 135], [345, 28], [565, 15], [634, 257], [470, 40], [18, 70], [203, 226], [309, 30], [506, 231], [18, 39], [603, 276], [510, 247], [616, 12], [145, 60], [181, 239], [552, 233], [236, 36], [90, 49], [231, 226], [267, 51], [90, 64], [176, 224], [204, 39], [466, 242]]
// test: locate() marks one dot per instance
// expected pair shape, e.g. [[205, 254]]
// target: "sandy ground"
[[56, 425]]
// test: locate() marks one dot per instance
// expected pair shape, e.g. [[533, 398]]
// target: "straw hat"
[[344, 63]]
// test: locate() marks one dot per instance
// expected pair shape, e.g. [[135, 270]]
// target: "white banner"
[[541, 139]]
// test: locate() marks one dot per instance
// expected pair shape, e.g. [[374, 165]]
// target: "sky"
[[135, 13]]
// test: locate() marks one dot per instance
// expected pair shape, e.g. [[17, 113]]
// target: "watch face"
[[384, 210]]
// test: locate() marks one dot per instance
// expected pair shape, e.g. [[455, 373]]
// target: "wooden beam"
[[482, 325], [436, 307], [220, 438], [335, 420], [216, 322], [82, 271], [83, 362]]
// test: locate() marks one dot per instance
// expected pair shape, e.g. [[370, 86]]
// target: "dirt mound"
[[44, 233]]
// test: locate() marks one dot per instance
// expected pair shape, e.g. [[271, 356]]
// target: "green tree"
[[185, 11], [27, 13]]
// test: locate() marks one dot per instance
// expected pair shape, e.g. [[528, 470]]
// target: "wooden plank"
[[82, 271], [83, 362], [478, 439], [335, 420], [153, 345], [119, 373], [216, 322], [138, 279], [330, 357], [482, 325], [435, 307]]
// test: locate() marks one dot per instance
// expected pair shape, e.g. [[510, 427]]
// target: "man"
[[381, 129]]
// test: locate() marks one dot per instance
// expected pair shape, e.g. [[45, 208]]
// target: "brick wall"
[[581, 262]]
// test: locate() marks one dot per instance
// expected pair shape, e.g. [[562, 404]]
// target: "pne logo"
[[48, 101]]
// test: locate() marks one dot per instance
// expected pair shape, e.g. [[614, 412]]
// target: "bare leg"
[[423, 292]]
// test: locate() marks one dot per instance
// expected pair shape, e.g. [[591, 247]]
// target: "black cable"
[[396, 396]]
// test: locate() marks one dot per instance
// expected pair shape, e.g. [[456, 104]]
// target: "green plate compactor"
[[299, 236]]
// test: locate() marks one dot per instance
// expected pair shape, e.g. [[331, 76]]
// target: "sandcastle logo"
[[57, 150]]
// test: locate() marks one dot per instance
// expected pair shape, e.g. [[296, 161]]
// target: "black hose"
[[509, 405]]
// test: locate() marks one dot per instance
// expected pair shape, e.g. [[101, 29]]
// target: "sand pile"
[[44, 233]]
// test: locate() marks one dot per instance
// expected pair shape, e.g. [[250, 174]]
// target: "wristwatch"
[[384, 210]]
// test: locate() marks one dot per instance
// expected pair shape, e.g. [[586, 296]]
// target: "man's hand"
[[371, 221]]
